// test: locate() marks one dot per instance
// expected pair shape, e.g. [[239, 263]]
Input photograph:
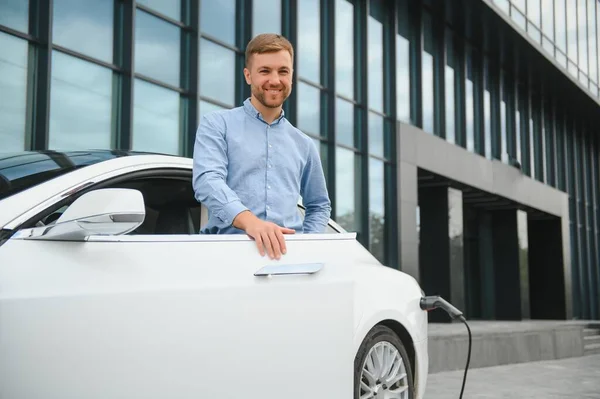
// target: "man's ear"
[[247, 75]]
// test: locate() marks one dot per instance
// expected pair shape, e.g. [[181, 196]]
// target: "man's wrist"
[[242, 220]]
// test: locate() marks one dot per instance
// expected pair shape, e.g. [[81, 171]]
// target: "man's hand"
[[267, 235]]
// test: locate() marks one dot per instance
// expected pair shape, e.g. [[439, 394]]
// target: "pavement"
[[571, 378]]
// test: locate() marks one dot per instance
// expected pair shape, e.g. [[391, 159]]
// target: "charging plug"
[[429, 303]]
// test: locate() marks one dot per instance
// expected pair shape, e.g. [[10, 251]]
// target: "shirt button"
[[270, 146], [268, 207], [269, 187], [270, 165]]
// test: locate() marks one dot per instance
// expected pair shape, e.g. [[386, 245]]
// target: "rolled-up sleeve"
[[314, 194], [210, 170]]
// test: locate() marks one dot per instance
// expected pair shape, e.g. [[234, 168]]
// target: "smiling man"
[[251, 165]]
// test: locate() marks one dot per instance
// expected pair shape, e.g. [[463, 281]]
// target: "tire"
[[381, 343]]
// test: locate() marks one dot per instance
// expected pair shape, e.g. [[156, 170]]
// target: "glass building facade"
[[127, 74], [567, 32]]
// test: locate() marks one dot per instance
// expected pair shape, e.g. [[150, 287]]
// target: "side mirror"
[[110, 211]]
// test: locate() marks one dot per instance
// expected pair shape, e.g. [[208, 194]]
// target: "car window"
[[23, 170], [170, 206]]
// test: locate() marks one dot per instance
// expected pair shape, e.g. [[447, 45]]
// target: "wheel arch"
[[406, 339]]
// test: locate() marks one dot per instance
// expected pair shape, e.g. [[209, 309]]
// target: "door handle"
[[294, 269]]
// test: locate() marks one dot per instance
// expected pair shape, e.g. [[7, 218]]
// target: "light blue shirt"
[[243, 163]]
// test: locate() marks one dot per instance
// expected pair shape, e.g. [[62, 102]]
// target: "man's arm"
[[314, 194], [210, 170]]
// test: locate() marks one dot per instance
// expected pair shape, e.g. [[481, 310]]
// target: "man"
[[251, 166]]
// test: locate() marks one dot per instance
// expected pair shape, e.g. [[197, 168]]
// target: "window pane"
[[13, 86], [375, 56], [377, 209], [170, 8], [503, 143], [85, 26], [217, 72], [14, 14], [344, 48], [572, 30], [518, 135], [309, 40], [520, 4], [155, 119], [81, 104], [217, 18], [503, 4], [266, 16], [376, 134], [548, 18], [309, 109], [548, 45], [531, 149], [469, 104], [561, 58], [206, 107], [427, 75], [548, 147], [593, 52], [518, 18], [157, 48], [323, 147], [534, 33], [487, 120], [533, 12], [344, 182], [449, 89], [537, 135], [560, 24], [487, 110], [582, 37], [572, 67], [403, 68], [344, 122]]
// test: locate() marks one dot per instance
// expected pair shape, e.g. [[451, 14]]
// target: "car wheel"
[[382, 368]]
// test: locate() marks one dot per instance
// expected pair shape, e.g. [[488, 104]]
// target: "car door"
[[175, 316]]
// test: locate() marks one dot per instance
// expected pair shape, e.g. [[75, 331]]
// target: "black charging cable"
[[429, 303]]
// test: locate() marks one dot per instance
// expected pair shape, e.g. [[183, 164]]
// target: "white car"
[[108, 291]]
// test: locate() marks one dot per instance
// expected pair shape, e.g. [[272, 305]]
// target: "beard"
[[267, 99]]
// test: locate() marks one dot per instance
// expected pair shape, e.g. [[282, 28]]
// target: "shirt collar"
[[253, 112]]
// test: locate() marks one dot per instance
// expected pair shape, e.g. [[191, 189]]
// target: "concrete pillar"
[[524, 280], [408, 238], [511, 269], [441, 250], [565, 232]]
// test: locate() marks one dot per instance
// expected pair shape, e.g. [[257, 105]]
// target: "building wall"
[[126, 74]]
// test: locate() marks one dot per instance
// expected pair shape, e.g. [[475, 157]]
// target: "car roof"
[[21, 202]]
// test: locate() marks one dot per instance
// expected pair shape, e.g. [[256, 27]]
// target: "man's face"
[[270, 77]]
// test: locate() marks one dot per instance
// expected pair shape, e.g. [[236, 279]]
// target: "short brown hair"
[[268, 43]]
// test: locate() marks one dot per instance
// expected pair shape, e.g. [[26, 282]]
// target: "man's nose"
[[275, 79]]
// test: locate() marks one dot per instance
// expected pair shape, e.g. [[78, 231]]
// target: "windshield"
[[23, 170]]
